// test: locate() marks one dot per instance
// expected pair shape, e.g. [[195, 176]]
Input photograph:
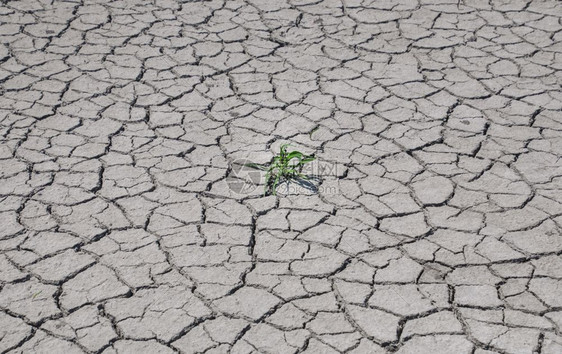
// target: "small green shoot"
[[285, 166]]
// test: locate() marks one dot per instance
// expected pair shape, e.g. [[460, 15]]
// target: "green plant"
[[285, 166]]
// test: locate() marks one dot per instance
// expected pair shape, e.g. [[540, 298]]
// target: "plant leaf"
[[283, 167], [256, 166], [283, 149], [295, 154]]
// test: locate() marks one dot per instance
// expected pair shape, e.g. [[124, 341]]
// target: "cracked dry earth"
[[438, 230]]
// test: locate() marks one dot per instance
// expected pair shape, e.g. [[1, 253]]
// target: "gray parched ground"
[[438, 228]]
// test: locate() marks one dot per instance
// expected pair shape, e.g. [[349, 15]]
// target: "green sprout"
[[285, 166]]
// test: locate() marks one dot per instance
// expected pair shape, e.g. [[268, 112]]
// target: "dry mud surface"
[[436, 227]]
